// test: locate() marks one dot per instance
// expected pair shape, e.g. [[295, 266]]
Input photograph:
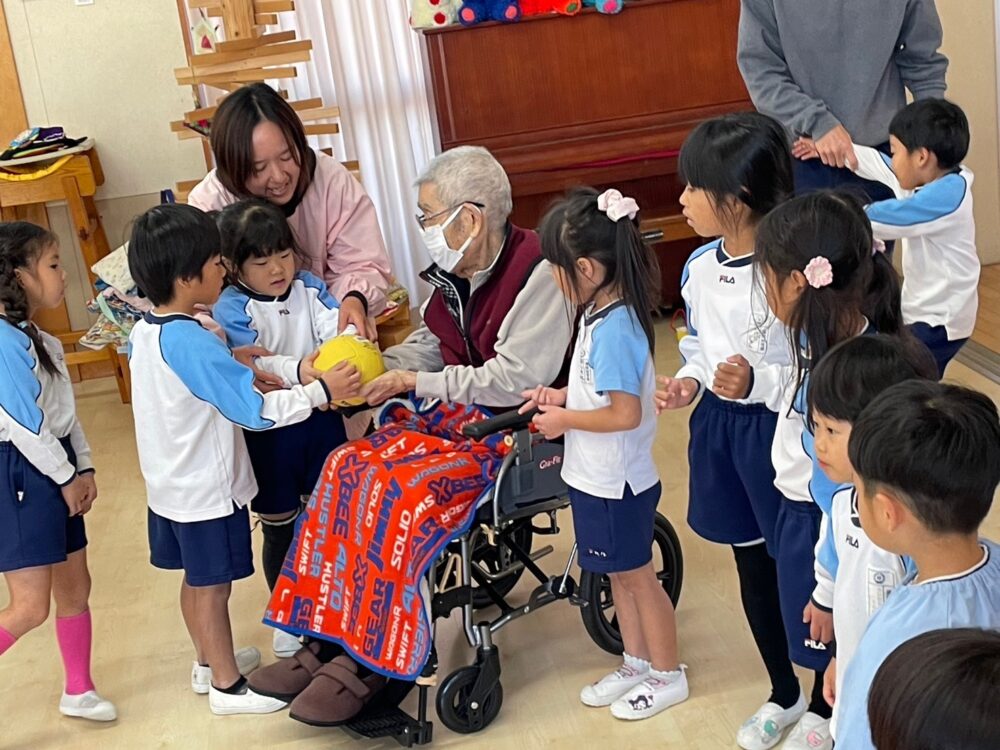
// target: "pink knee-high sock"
[[74, 636], [6, 640]]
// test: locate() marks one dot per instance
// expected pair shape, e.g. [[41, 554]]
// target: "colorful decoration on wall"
[[433, 14]]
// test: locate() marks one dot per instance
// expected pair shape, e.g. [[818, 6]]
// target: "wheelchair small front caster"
[[469, 699]]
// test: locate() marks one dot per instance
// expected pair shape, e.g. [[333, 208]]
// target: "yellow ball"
[[357, 350]]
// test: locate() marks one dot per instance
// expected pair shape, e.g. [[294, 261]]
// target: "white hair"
[[471, 174]]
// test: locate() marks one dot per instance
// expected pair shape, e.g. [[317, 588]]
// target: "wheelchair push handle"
[[509, 420]]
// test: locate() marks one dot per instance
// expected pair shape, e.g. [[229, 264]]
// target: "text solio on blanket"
[[384, 508]]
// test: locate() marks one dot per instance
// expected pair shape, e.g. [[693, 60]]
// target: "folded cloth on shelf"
[[383, 510]]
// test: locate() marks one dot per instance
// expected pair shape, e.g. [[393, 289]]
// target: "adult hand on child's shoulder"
[[675, 393], [836, 149]]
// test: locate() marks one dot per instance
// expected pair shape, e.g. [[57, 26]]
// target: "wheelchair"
[[481, 568]]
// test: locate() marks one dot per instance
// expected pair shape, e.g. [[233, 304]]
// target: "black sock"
[[817, 703], [759, 592], [328, 651], [277, 540], [237, 688]]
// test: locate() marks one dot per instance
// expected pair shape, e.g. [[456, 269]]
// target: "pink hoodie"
[[336, 226]]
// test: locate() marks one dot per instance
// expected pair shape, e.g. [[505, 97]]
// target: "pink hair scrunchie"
[[819, 272], [616, 205]]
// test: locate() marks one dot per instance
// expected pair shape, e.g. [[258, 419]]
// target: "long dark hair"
[[576, 228], [232, 136], [744, 155], [831, 225], [21, 245], [938, 690], [254, 229]]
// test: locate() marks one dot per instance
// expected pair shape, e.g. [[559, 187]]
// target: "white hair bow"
[[616, 205]]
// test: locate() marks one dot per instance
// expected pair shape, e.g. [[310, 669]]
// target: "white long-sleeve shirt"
[[727, 315], [190, 398], [37, 408], [938, 229], [865, 576]]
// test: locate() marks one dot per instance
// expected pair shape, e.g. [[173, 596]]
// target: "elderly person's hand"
[[835, 149], [387, 385]]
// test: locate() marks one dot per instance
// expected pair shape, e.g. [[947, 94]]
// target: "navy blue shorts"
[[733, 499], [209, 552], [35, 525], [796, 535], [287, 461], [936, 339], [613, 536]]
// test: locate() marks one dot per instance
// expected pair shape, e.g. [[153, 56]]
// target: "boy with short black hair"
[[190, 399], [927, 458], [932, 211], [853, 576]]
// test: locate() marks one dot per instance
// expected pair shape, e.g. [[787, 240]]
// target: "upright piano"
[[593, 100]]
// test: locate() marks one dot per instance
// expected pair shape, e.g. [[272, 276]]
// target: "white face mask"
[[437, 246]]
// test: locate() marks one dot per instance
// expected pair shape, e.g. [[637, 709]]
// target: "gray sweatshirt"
[[814, 64]]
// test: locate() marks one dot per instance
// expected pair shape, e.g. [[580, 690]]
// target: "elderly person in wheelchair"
[[495, 326]]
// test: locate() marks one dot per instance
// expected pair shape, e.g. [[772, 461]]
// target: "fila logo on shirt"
[[723, 279], [284, 311]]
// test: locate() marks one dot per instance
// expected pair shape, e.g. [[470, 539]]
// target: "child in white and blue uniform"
[[826, 281], [606, 413], [933, 213], [737, 169], [927, 457], [46, 473], [272, 303], [190, 400], [853, 576]]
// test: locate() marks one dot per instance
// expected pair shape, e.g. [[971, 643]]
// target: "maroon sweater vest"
[[474, 342]]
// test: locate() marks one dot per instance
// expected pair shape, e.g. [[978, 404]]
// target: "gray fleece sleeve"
[[530, 350], [419, 351], [768, 79], [921, 64]]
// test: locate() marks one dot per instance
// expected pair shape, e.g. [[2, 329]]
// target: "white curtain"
[[367, 61]]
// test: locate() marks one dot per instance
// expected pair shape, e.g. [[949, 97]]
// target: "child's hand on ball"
[[307, 369], [343, 381]]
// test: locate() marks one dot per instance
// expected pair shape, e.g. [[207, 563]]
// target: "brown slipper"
[[336, 694], [286, 678]]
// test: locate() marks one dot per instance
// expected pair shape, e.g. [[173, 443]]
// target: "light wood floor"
[[987, 330], [142, 654]]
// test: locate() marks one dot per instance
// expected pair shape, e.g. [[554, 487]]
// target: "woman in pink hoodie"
[[261, 151]]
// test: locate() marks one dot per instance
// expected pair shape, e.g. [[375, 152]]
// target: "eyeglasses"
[[422, 219]]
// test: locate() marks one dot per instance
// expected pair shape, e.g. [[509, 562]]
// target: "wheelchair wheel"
[[498, 558], [454, 707], [595, 589]]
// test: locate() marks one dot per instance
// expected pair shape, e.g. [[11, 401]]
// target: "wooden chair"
[[108, 354]]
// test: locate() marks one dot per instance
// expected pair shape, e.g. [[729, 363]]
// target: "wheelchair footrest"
[[394, 723]]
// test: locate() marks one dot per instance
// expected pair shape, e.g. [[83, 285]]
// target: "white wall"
[[106, 70], [970, 44]]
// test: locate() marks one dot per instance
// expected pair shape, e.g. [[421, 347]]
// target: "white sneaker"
[[811, 733], [87, 705], [658, 692], [285, 644], [763, 730], [247, 660], [611, 687], [247, 702]]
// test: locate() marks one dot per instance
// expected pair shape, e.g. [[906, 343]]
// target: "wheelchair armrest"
[[509, 420]]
